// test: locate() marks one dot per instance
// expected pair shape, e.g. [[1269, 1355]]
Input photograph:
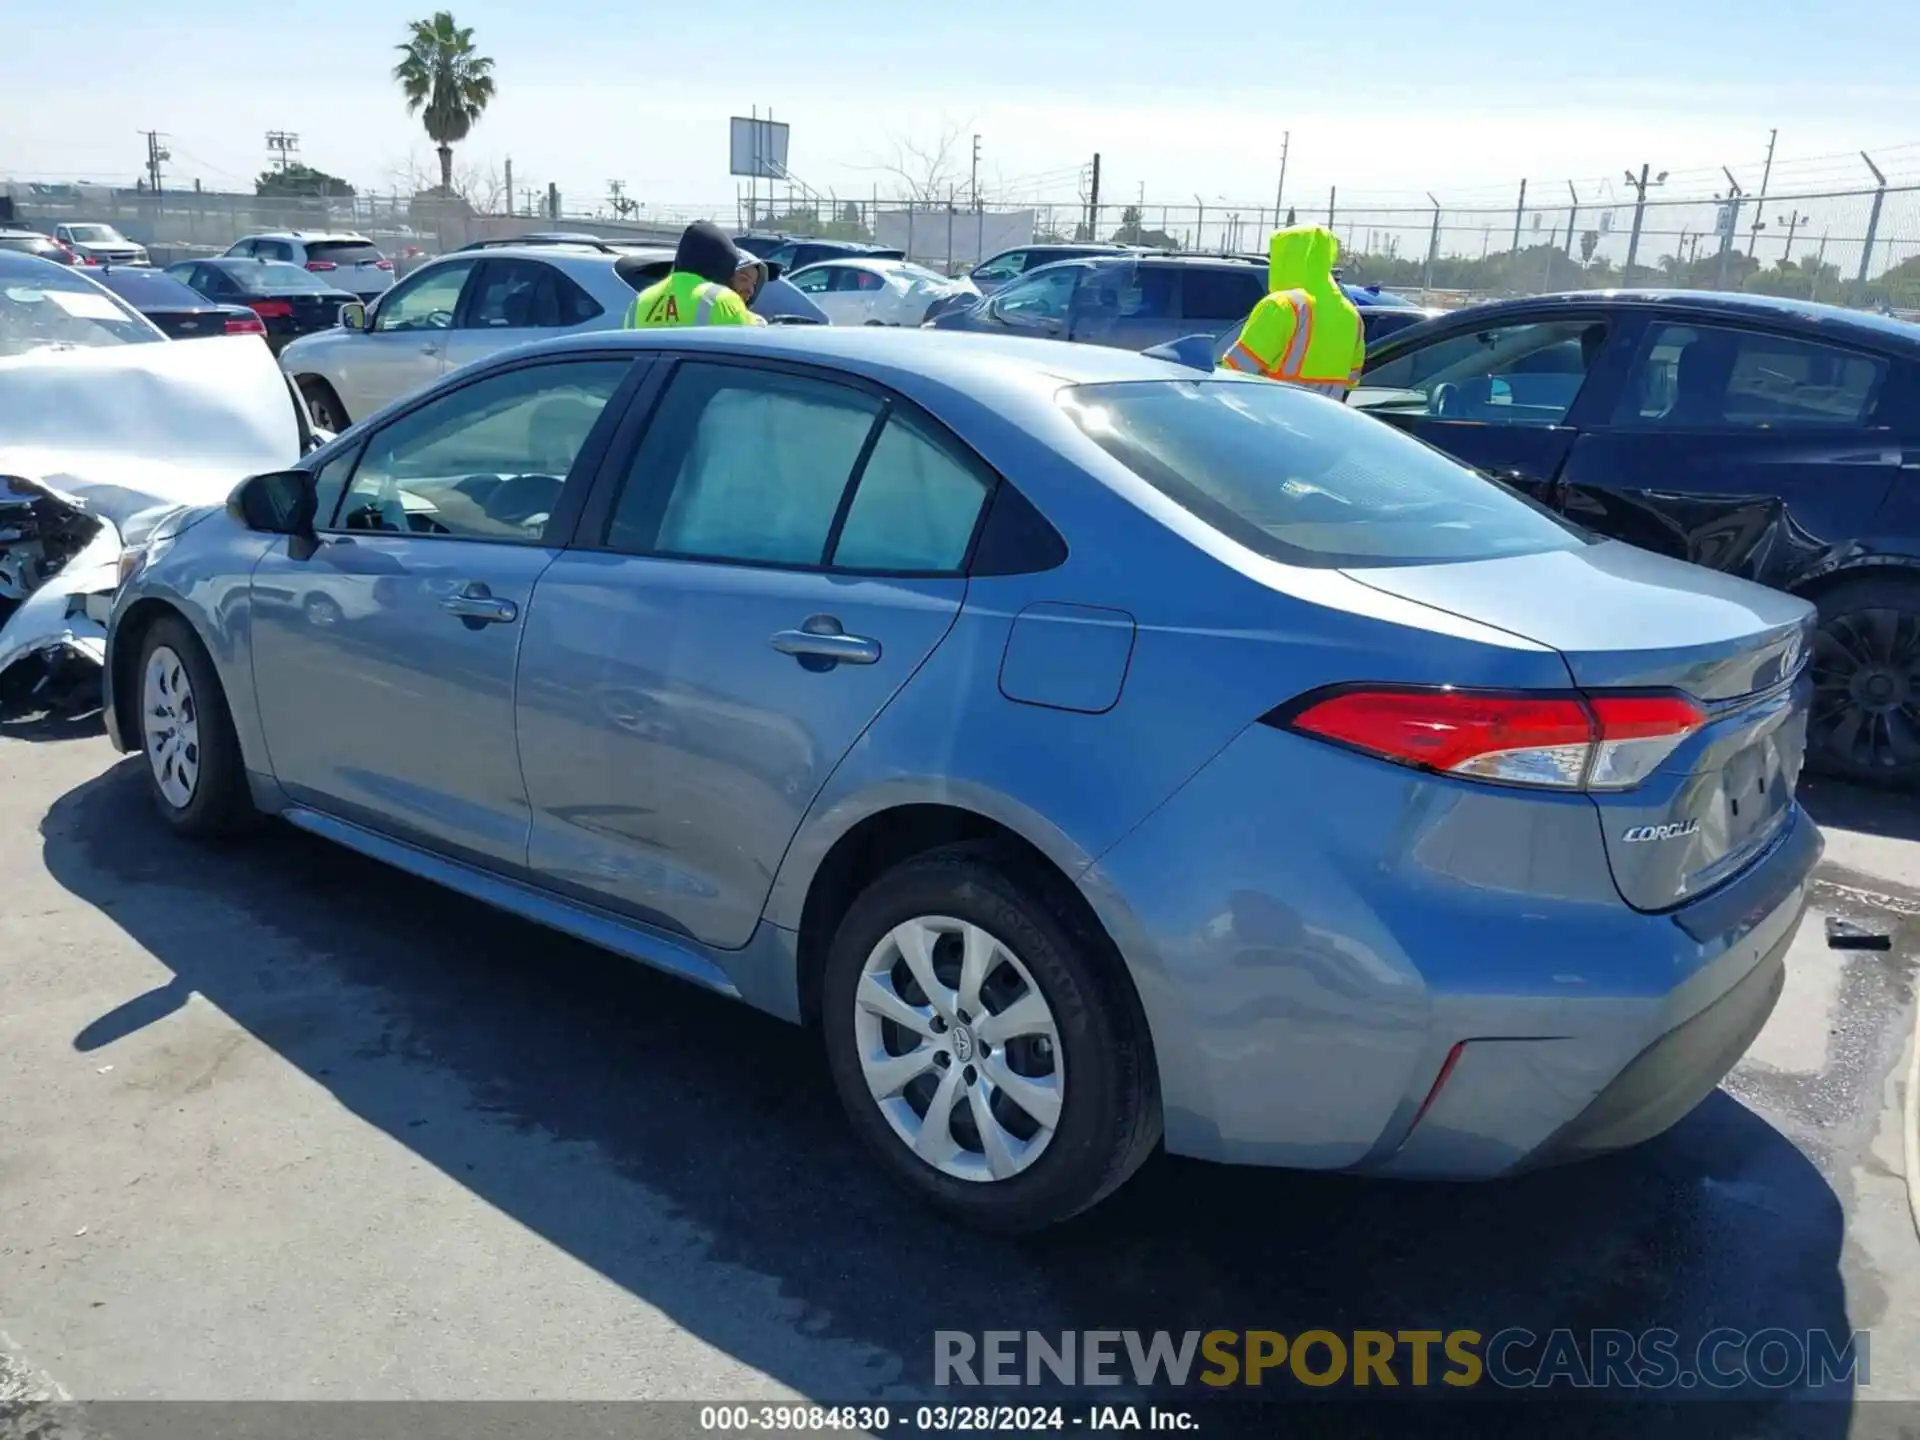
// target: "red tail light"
[[383, 264], [245, 325], [271, 309], [321, 265], [1571, 742]]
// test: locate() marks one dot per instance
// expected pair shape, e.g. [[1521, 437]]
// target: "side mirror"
[[774, 267], [353, 315], [280, 502]]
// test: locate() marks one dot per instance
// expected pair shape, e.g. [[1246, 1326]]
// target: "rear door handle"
[[475, 603], [820, 639]]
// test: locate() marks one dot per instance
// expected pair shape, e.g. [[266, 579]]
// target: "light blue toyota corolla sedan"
[[1092, 752]]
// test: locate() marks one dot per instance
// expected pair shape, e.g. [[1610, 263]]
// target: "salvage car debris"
[[104, 451]]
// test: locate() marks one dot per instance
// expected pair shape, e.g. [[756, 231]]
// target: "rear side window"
[[743, 464], [1220, 294], [916, 506], [343, 252], [524, 294], [1690, 377], [1305, 480]]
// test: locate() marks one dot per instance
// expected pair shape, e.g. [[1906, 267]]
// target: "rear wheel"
[[1865, 724], [327, 411], [992, 1060]]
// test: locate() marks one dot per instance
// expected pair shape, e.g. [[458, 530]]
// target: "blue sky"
[[1462, 100]]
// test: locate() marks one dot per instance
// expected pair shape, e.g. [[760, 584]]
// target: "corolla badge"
[[1671, 831]]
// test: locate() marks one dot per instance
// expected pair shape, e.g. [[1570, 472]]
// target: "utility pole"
[[1793, 222], [1573, 214], [553, 201], [1519, 209], [1280, 190], [281, 145], [1433, 241], [976, 172], [157, 156], [509, 179], [1873, 218], [616, 196], [1639, 213], [1760, 205], [1732, 223], [1093, 201]]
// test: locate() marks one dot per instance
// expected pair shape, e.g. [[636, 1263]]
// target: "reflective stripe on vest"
[[708, 294]]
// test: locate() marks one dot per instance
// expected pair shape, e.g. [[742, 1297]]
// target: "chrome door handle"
[[429, 349], [821, 639], [474, 602]]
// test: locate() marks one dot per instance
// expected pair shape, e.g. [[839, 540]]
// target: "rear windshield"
[[150, 289], [47, 307], [276, 277], [1300, 479], [342, 252]]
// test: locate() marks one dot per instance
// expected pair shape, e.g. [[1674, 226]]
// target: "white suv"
[[350, 262]]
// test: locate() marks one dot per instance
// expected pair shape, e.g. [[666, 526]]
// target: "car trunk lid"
[[1627, 620]]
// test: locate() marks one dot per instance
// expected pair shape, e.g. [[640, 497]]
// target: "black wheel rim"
[[1866, 690]]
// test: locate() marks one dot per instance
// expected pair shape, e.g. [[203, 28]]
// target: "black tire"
[[1865, 725], [1110, 1110], [325, 407], [220, 803]]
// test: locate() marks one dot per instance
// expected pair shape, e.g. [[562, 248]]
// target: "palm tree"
[[442, 75]]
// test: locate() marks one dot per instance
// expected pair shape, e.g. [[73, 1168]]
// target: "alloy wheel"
[[1866, 677], [171, 727], [959, 1048]]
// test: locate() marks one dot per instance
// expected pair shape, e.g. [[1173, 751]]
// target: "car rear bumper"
[[1345, 965]]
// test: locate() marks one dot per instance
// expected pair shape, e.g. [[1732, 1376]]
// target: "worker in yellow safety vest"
[[701, 289], [1306, 331]]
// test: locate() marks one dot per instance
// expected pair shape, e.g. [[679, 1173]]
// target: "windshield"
[[1299, 478], [97, 235], [276, 277], [48, 308]]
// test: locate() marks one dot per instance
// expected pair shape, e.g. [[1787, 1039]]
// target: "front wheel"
[[993, 1061], [194, 769], [325, 407], [1865, 724]]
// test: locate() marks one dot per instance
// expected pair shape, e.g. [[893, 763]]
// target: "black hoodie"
[[706, 251]]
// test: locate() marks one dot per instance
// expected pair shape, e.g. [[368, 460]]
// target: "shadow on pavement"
[[1856, 807], [730, 1118]]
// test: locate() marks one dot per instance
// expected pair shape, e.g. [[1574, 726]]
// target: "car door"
[[844, 299], [384, 662], [1127, 306], [1750, 450], [816, 283], [513, 302], [1505, 395], [404, 347], [779, 555]]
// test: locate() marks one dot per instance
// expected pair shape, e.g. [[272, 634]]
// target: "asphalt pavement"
[[278, 1123]]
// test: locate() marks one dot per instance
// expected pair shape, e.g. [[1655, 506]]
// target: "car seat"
[[1700, 380]]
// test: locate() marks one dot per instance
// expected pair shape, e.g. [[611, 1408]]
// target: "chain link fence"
[[1852, 247]]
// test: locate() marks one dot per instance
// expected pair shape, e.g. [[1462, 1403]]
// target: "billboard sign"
[[758, 148]]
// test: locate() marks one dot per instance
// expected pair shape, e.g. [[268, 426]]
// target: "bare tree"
[[929, 170]]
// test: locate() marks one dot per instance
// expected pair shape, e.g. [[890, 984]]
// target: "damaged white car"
[[111, 436]]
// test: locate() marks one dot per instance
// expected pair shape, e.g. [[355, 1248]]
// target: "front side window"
[[1526, 374], [1291, 477], [1699, 377], [815, 279], [1001, 267], [425, 301], [743, 464], [273, 250], [1043, 296], [486, 461]]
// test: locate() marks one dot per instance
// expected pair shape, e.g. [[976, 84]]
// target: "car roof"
[[951, 358], [1720, 304], [354, 236]]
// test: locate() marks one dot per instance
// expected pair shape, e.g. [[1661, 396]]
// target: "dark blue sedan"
[[1777, 440]]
